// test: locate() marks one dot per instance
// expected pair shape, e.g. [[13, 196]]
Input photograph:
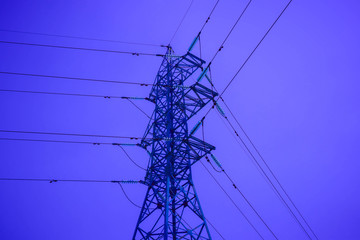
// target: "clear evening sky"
[[297, 98]]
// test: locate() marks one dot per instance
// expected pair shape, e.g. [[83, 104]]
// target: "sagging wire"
[[127, 197], [139, 108], [131, 159]]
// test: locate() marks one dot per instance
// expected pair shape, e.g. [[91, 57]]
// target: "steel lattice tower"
[[171, 209]]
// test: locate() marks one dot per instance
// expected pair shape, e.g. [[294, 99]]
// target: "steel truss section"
[[171, 209]]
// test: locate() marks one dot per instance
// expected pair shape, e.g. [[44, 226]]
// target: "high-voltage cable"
[[247, 59], [139, 108], [72, 94], [268, 178], [233, 202], [217, 231], [247, 201], [227, 36], [88, 135], [127, 197], [256, 47], [83, 49], [58, 141], [52, 180], [220, 97], [77, 78], [235, 186], [70, 134], [231, 30], [197, 38], [130, 158], [83, 38], [208, 18], [265, 175], [181, 21], [268, 167]]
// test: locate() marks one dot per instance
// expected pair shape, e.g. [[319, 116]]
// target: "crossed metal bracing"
[[171, 209]]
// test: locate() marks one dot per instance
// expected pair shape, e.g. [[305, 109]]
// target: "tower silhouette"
[[171, 209]]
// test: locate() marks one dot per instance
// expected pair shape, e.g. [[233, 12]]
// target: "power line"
[[231, 30], [233, 134], [127, 197], [57, 141], [84, 49], [262, 39], [220, 97], [139, 108], [262, 171], [233, 202], [84, 38], [268, 167], [76, 78], [247, 59], [177, 29], [72, 94], [208, 18], [84, 135], [52, 180], [203, 138], [247, 201], [267, 177], [128, 156], [69, 134], [241, 193], [215, 229], [224, 41], [197, 38]]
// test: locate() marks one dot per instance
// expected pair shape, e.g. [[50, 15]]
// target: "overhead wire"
[[212, 225], [60, 141], [220, 97], [202, 28], [182, 20], [127, 197], [241, 193], [233, 202], [208, 18], [72, 94], [83, 49], [267, 177], [76, 78], [130, 158], [139, 108], [203, 138], [233, 134], [212, 85], [83, 95], [256, 47], [82, 135], [70, 134], [54, 180], [248, 202], [270, 170], [83, 38], [231, 30], [263, 172]]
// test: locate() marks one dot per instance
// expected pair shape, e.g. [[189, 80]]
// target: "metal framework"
[[171, 209]]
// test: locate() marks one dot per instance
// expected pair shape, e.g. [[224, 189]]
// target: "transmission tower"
[[171, 209]]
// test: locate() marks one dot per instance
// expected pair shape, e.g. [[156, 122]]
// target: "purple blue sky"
[[297, 98]]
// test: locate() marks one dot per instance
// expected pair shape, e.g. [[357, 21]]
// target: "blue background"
[[297, 98]]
